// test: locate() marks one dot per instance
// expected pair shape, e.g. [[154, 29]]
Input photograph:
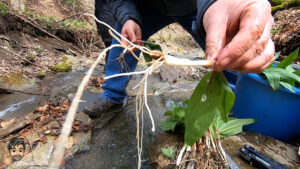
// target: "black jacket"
[[129, 9], [104, 13]]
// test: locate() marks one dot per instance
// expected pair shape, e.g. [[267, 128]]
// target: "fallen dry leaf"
[[42, 109], [69, 143]]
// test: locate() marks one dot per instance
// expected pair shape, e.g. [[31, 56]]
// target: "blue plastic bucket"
[[277, 112], [231, 77]]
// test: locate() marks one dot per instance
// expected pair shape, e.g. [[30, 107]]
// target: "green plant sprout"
[[205, 115], [284, 74]]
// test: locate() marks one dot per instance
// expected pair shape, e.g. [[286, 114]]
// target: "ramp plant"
[[284, 74], [205, 120]]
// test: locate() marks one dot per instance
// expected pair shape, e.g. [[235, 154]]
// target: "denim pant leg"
[[115, 88]]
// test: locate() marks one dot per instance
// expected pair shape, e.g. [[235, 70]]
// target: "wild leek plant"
[[284, 74], [205, 120]]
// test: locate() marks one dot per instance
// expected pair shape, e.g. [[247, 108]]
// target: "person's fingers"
[[131, 35], [138, 34], [131, 31], [125, 35], [251, 27], [215, 27], [255, 50], [262, 61]]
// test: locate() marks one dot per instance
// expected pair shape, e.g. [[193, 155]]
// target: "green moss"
[[41, 74], [14, 79], [64, 59], [62, 67]]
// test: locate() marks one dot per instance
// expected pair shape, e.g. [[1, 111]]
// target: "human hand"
[[238, 35], [132, 31]]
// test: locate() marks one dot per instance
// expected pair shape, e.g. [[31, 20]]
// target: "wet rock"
[[172, 74], [16, 126], [83, 143], [16, 81]]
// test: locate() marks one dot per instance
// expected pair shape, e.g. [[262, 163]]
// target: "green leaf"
[[203, 106], [169, 124], [287, 86], [277, 54], [152, 46], [273, 78], [288, 60], [228, 98], [297, 72], [234, 126], [275, 75], [169, 152], [290, 68]]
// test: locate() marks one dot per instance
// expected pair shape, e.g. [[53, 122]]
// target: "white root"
[[178, 161], [67, 126], [174, 61]]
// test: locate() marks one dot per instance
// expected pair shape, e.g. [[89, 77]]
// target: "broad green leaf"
[[152, 46], [169, 124], [202, 107], [288, 60], [228, 98], [273, 78], [233, 126], [169, 152], [287, 86], [297, 72]]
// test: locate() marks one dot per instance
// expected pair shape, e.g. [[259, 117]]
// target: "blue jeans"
[[115, 88]]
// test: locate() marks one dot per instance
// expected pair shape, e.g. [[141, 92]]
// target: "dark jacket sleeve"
[[125, 10], [202, 6]]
